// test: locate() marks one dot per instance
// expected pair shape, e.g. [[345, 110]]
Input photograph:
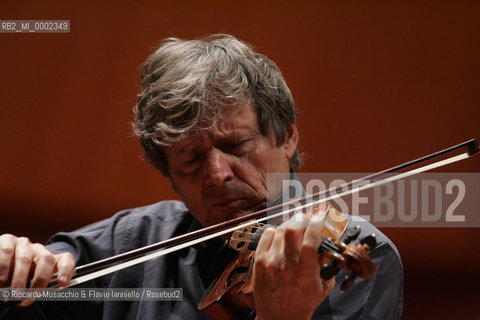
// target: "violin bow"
[[112, 264]]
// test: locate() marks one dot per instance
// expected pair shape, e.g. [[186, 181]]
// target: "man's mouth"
[[230, 204], [225, 208]]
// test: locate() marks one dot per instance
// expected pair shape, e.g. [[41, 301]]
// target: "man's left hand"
[[286, 273]]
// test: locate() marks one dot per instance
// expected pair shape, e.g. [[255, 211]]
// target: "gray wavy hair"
[[187, 85]]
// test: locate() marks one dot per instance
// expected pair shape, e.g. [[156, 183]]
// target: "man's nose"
[[218, 168]]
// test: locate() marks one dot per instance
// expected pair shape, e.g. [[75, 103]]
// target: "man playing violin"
[[215, 118]]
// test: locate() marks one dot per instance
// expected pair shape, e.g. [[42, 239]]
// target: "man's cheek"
[[258, 186]]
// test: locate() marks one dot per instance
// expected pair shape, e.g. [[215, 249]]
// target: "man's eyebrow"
[[234, 138], [184, 151], [236, 135]]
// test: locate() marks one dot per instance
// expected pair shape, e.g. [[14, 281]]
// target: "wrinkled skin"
[[221, 172]]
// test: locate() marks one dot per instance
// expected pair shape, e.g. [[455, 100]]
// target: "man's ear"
[[291, 141]]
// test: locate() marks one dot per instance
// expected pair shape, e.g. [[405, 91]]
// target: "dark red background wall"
[[376, 84]]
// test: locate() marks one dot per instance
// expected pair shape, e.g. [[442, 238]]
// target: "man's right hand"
[[21, 260]]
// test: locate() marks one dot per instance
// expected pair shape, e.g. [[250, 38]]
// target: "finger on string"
[[293, 236], [298, 220], [319, 209], [288, 229], [312, 239], [265, 241]]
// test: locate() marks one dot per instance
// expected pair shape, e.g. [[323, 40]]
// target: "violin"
[[230, 296]]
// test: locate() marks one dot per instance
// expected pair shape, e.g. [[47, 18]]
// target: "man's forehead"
[[238, 117], [234, 123]]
